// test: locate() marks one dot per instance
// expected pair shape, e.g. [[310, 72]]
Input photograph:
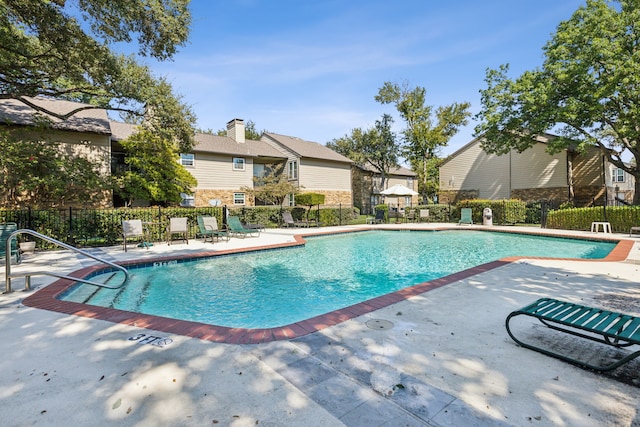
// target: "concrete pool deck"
[[441, 357]]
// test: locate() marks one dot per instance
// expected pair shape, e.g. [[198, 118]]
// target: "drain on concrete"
[[378, 324]]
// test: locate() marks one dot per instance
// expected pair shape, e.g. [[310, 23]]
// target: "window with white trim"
[[238, 198], [187, 159], [618, 175], [238, 164], [292, 170]]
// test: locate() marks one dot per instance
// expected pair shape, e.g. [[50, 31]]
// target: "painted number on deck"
[[150, 339]]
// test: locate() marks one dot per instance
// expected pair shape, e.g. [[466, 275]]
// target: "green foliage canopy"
[[43, 175], [63, 49], [427, 130], [377, 146], [154, 173], [587, 90]]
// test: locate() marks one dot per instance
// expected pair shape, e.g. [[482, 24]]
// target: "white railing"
[[27, 275]]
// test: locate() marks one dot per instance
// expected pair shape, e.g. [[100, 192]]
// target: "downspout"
[[510, 171]]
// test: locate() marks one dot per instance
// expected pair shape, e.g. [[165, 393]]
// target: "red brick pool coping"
[[46, 298]]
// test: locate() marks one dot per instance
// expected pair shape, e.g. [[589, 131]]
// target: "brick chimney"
[[235, 130]]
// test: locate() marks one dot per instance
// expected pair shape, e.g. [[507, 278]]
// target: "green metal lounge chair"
[[606, 327], [236, 228], [465, 216], [5, 230], [208, 226]]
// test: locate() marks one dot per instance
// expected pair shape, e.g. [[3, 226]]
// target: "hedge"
[[504, 212], [622, 218]]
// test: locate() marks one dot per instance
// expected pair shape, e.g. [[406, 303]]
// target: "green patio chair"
[[465, 216], [6, 230], [236, 228], [208, 226]]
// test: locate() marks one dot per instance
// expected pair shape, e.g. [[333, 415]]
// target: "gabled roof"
[[400, 171], [307, 149], [225, 145], [543, 139], [121, 131], [93, 120]]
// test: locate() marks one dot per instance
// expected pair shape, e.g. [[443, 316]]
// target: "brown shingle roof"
[[225, 145], [120, 131], [393, 171], [308, 149], [94, 120]]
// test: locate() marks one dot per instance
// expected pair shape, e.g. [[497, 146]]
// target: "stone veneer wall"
[[452, 197], [583, 196], [535, 194], [334, 198], [202, 197], [362, 183]]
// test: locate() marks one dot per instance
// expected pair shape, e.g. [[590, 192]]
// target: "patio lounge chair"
[[465, 216], [237, 229], [378, 219], [290, 222], [133, 229], [603, 326], [208, 226], [178, 226], [5, 230]]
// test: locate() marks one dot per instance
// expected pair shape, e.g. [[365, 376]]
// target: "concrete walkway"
[[437, 359]]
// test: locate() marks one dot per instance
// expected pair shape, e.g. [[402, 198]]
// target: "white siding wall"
[[215, 171], [324, 175], [535, 168], [473, 169]]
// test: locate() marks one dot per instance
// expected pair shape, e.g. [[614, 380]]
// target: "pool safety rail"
[[27, 275]]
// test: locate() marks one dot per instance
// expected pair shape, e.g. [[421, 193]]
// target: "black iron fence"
[[97, 227]]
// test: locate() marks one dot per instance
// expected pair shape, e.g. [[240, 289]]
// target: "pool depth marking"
[[46, 298]]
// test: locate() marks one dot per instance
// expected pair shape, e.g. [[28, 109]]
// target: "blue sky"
[[311, 69]]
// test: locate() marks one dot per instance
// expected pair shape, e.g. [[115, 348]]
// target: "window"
[[238, 163], [292, 200], [187, 159], [238, 198], [618, 175], [410, 182], [407, 200], [292, 170]]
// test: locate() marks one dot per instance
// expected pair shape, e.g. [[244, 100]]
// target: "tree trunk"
[[570, 157]]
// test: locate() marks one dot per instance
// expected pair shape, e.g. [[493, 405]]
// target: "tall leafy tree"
[[41, 175], [154, 173], [587, 90], [427, 130], [64, 49], [377, 146]]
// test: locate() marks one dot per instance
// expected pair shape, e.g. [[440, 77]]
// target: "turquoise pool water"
[[279, 287]]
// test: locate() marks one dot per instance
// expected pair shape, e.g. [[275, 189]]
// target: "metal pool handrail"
[[27, 276]]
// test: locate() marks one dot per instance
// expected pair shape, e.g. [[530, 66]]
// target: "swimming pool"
[[266, 289]]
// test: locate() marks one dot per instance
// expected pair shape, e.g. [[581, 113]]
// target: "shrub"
[[504, 212]]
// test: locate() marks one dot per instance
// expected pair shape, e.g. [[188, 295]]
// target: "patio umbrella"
[[398, 191]]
